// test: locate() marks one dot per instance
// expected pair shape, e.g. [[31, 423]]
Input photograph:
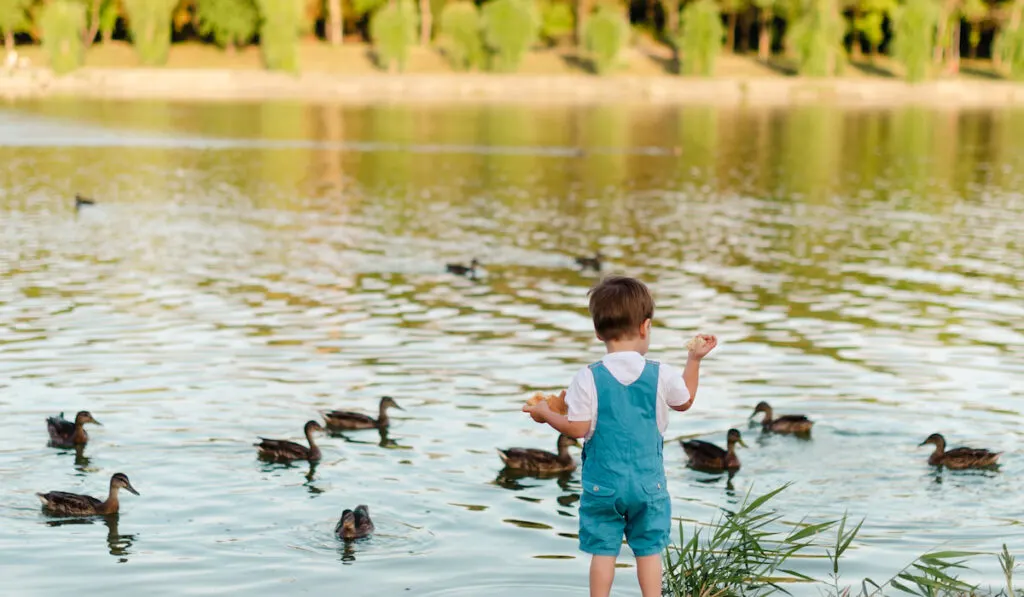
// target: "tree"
[[1010, 44], [510, 29], [282, 22], [732, 8], [231, 23], [335, 22], [556, 20], [974, 12], [13, 19], [914, 37], [701, 37], [62, 22], [150, 24], [426, 23], [867, 24], [606, 35], [393, 31], [109, 13], [766, 12], [460, 35], [817, 38]]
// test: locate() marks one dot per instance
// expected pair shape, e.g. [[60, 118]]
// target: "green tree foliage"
[[150, 25], [606, 34], [283, 21], [974, 12], [13, 19], [1010, 45], [701, 37], [364, 7], [230, 22], [109, 13], [460, 35], [868, 22], [914, 37], [817, 38], [510, 29], [556, 20], [393, 31], [62, 22]]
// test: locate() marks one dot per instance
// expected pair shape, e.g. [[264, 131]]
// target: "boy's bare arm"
[[560, 423], [691, 374]]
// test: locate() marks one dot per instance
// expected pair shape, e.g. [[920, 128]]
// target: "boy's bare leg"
[[602, 573], [648, 572]]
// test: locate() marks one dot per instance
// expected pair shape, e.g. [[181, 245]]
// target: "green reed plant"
[[606, 33], [281, 24], [511, 27], [393, 31], [62, 22], [149, 22], [749, 552], [460, 35], [231, 23], [700, 37]]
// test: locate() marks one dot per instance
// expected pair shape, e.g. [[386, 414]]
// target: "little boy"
[[620, 404]]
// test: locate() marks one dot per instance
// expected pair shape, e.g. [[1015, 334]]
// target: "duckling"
[[593, 263], [461, 270], [959, 458], [541, 461], [346, 420], [81, 201], [785, 424], [64, 433], [72, 504], [354, 524], [280, 450], [705, 455]]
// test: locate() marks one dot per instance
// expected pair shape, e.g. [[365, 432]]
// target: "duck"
[[281, 450], [81, 201], [64, 433], [73, 504], [593, 263], [705, 455], [541, 461], [347, 420], [959, 458], [461, 270], [785, 424], [354, 524]]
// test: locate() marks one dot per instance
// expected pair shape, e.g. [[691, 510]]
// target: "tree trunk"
[[582, 9], [764, 41], [874, 53], [335, 22], [855, 50], [744, 38], [671, 8], [94, 24], [425, 22], [8, 42], [730, 33], [954, 49]]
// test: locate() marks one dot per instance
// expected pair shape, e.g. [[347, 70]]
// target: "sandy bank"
[[252, 85]]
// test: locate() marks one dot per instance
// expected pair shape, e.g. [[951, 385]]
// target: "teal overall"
[[624, 489]]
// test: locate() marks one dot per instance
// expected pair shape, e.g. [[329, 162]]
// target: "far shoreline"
[[220, 84]]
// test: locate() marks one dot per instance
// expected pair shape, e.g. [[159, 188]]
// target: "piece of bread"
[[696, 343], [555, 402]]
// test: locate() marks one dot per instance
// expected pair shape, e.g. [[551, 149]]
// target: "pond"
[[248, 265]]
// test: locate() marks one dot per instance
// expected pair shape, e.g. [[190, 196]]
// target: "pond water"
[[248, 265]]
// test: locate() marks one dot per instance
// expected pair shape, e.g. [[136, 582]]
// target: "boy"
[[620, 404]]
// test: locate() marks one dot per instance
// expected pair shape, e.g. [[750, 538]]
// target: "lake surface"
[[249, 265]]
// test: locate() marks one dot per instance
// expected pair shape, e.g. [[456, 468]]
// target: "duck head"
[[936, 439], [389, 402], [120, 481], [762, 407], [84, 417], [734, 438]]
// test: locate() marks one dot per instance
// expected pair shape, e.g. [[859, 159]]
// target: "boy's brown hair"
[[619, 306]]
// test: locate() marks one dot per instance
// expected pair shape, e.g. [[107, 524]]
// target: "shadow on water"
[[118, 545], [384, 439], [509, 478], [310, 475]]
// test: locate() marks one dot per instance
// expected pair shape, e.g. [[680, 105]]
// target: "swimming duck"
[[73, 504], [784, 424], [81, 201], [959, 458], [705, 455], [461, 270], [64, 433], [342, 420], [354, 524], [593, 263], [281, 450], [541, 461]]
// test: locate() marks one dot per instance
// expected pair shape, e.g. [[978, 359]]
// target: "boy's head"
[[622, 309]]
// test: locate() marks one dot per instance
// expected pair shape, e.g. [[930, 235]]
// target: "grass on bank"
[[750, 552]]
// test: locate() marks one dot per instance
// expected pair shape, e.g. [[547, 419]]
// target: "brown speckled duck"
[[462, 270], [280, 450], [345, 420], [64, 433], [72, 504], [798, 424], [354, 524], [707, 456], [959, 458], [541, 461]]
